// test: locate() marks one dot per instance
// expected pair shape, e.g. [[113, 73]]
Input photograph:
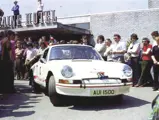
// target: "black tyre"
[[54, 97]]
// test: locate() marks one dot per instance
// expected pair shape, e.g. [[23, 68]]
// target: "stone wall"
[[153, 3], [142, 22]]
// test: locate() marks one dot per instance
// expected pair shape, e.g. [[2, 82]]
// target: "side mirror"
[[42, 60]]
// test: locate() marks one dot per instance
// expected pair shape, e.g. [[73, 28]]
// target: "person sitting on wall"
[[16, 12]]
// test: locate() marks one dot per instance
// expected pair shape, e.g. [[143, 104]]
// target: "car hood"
[[89, 69]]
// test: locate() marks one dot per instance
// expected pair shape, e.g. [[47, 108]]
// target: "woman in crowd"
[[18, 61], [155, 58], [100, 46], [146, 64], [134, 50], [107, 53], [7, 62]]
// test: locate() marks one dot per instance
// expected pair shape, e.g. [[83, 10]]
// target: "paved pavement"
[[29, 106]]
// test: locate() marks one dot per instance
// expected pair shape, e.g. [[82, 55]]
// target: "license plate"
[[102, 92]]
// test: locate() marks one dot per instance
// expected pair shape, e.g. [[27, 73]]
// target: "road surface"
[[25, 105]]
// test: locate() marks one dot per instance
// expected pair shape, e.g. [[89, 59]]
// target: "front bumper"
[[95, 90]]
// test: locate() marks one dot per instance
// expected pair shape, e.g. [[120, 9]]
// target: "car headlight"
[[67, 71], [127, 71]]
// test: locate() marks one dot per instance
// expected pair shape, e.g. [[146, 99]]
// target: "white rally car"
[[79, 70]]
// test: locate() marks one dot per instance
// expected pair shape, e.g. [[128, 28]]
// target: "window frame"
[[47, 50]]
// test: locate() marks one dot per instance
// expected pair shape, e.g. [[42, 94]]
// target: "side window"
[[45, 54]]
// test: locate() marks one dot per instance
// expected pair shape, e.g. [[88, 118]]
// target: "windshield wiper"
[[61, 59], [57, 59]]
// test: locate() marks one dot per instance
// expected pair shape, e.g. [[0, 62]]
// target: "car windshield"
[[73, 52]]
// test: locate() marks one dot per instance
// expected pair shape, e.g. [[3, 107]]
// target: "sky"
[[66, 8]]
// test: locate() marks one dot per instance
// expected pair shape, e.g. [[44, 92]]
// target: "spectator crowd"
[[16, 54], [143, 57]]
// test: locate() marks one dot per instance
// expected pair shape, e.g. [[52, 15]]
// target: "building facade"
[[141, 22]]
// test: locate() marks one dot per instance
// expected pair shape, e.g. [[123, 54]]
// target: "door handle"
[[40, 71]]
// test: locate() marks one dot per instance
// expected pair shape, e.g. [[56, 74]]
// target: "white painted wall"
[[141, 22]]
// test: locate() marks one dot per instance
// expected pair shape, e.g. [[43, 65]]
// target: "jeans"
[[145, 76], [152, 73], [135, 68], [156, 76]]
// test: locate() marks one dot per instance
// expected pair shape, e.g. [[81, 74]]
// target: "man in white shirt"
[[31, 53], [118, 49], [39, 11], [134, 50]]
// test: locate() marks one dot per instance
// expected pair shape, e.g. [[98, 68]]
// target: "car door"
[[42, 68]]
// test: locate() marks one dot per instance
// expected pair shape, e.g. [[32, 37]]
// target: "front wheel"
[[54, 97]]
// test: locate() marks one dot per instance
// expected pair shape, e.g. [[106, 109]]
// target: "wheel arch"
[[50, 73]]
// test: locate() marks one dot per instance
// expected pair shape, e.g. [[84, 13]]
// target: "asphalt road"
[[26, 105]]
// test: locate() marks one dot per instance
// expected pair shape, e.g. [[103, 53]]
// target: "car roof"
[[69, 45]]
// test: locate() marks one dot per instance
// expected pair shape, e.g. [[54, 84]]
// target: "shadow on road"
[[20, 104], [98, 104]]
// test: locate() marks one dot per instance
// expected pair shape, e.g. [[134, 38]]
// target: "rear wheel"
[[54, 97]]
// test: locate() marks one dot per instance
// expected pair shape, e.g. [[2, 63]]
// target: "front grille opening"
[[124, 80], [77, 82]]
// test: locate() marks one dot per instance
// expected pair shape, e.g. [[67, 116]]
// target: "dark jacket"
[[1, 13], [15, 9]]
